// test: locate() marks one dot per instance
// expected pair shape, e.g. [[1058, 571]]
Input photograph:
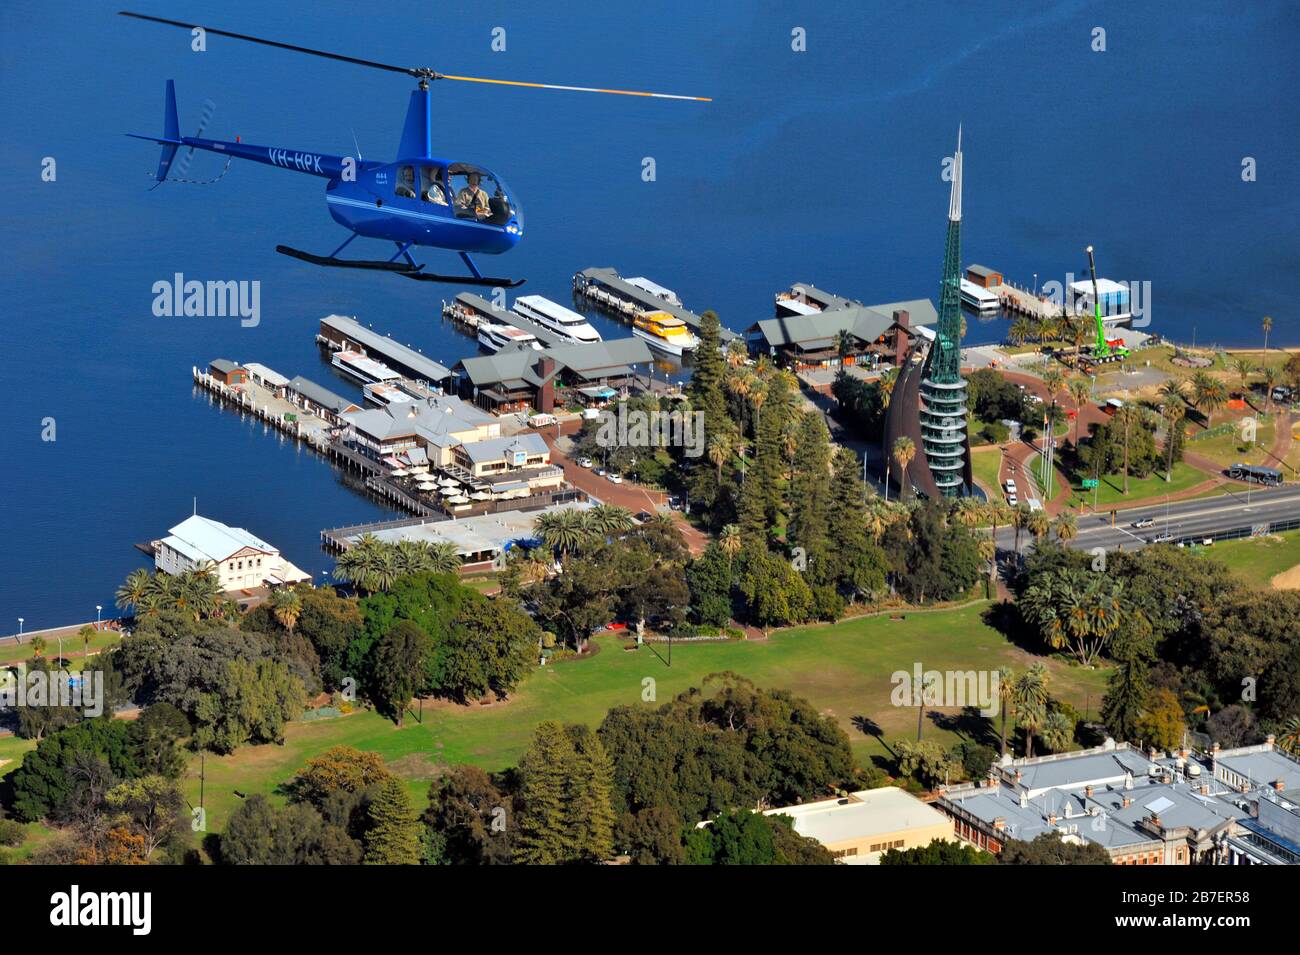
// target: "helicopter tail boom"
[[312, 163]]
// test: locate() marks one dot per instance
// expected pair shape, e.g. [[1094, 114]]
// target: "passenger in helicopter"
[[433, 192], [405, 187], [472, 200]]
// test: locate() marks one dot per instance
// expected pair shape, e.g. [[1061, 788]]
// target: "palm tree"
[[904, 453], [1019, 520], [1057, 732], [1128, 419], [1020, 331], [1267, 323], [1038, 525], [1006, 701], [844, 344], [1066, 526], [1030, 695], [1174, 412], [1080, 327], [718, 452], [442, 557], [1212, 396], [1289, 738], [198, 592], [1080, 392], [887, 382], [1053, 381], [412, 558], [1174, 389], [562, 531], [357, 564], [608, 520], [731, 543], [134, 589], [1270, 374], [286, 607], [385, 572], [1244, 369]]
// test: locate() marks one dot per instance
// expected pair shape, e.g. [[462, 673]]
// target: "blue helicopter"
[[416, 200]]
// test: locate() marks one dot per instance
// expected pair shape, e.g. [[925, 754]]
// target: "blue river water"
[[820, 165]]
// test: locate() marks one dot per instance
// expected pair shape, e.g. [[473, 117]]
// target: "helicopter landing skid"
[[403, 268], [464, 279]]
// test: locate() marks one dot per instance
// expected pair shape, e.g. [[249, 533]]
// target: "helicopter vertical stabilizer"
[[171, 131], [417, 131]]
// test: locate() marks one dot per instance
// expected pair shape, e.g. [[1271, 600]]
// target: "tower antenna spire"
[[954, 201]]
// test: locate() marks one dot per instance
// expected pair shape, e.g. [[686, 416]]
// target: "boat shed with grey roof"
[[340, 332], [878, 333], [312, 397], [519, 377]]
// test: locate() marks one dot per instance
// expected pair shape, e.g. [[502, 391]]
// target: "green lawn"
[[1228, 449], [1110, 490], [1258, 559], [14, 652], [844, 670], [984, 465]]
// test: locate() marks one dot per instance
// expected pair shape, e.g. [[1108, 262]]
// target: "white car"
[[1011, 499], [1010, 485], [1144, 522], [584, 462], [615, 477]]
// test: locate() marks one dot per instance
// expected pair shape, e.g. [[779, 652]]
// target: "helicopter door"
[[480, 195]]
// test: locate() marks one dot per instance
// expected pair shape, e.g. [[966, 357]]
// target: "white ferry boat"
[[566, 323], [665, 333], [363, 368], [979, 298], [494, 337], [385, 394]]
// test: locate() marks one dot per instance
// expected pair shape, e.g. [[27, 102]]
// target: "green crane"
[[1103, 350]]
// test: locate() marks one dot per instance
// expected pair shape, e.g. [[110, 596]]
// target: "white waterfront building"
[[239, 560]]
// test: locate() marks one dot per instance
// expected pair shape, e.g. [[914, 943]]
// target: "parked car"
[[1145, 522], [599, 472], [615, 477], [674, 502], [1012, 500], [643, 516], [584, 462]]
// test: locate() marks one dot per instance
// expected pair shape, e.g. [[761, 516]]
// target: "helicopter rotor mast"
[[422, 73]]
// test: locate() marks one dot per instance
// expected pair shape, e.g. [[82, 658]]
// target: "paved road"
[[1204, 517]]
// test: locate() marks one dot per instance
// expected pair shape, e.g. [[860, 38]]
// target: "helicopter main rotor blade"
[[278, 45], [573, 89], [421, 72]]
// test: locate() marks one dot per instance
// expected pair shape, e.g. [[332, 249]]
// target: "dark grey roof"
[[382, 347], [608, 359], [866, 323], [225, 365], [319, 395], [982, 270], [827, 300]]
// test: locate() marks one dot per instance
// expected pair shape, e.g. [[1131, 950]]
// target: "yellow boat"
[[665, 332]]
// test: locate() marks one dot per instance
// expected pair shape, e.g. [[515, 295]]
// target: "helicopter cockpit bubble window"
[[482, 196], [404, 187], [431, 187]]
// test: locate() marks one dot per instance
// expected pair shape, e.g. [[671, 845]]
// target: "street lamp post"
[[20, 629], [98, 610]]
